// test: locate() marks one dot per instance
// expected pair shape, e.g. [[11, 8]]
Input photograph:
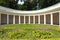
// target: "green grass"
[[29, 32]]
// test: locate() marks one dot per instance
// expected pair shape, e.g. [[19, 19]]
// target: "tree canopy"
[[28, 4]]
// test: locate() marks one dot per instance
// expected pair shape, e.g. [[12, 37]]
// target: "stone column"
[[24, 19], [44, 18], [29, 19], [38, 19], [51, 18], [13, 19], [19, 19], [59, 18], [0, 19], [7, 19], [34, 19]]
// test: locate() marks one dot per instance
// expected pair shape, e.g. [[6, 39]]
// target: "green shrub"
[[17, 34], [42, 34]]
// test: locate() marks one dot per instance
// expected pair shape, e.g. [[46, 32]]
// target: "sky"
[[21, 3]]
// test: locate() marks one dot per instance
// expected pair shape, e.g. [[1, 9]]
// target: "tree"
[[47, 3], [28, 4]]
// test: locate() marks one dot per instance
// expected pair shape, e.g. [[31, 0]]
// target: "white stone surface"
[[44, 18], [7, 19], [59, 18], [0, 18], [19, 19], [38, 19], [29, 19], [24, 19], [13, 19], [51, 18], [33, 19]]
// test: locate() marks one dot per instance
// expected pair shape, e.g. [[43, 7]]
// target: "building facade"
[[50, 15]]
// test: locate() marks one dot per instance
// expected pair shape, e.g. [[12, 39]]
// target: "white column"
[[59, 18], [0, 19], [13, 19], [24, 19], [51, 18], [34, 19], [19, 19], [7, 19], [44, 18], [29, 19], [38, 19]]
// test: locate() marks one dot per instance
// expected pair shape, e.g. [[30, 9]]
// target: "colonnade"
[[29, 19]]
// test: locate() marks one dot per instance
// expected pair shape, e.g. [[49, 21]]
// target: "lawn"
[[29, 32]]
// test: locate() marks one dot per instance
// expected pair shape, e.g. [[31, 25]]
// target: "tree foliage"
[[28, 4]]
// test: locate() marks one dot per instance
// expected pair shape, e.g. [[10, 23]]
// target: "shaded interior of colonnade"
[[10, 19], [16, 19], [48, 19], [42, 19], [21, 19], [36, 19], [27, 19], [31, 19], [56, 18], [3, 19]]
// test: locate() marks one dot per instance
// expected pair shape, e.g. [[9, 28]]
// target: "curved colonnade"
[[50, 15]]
